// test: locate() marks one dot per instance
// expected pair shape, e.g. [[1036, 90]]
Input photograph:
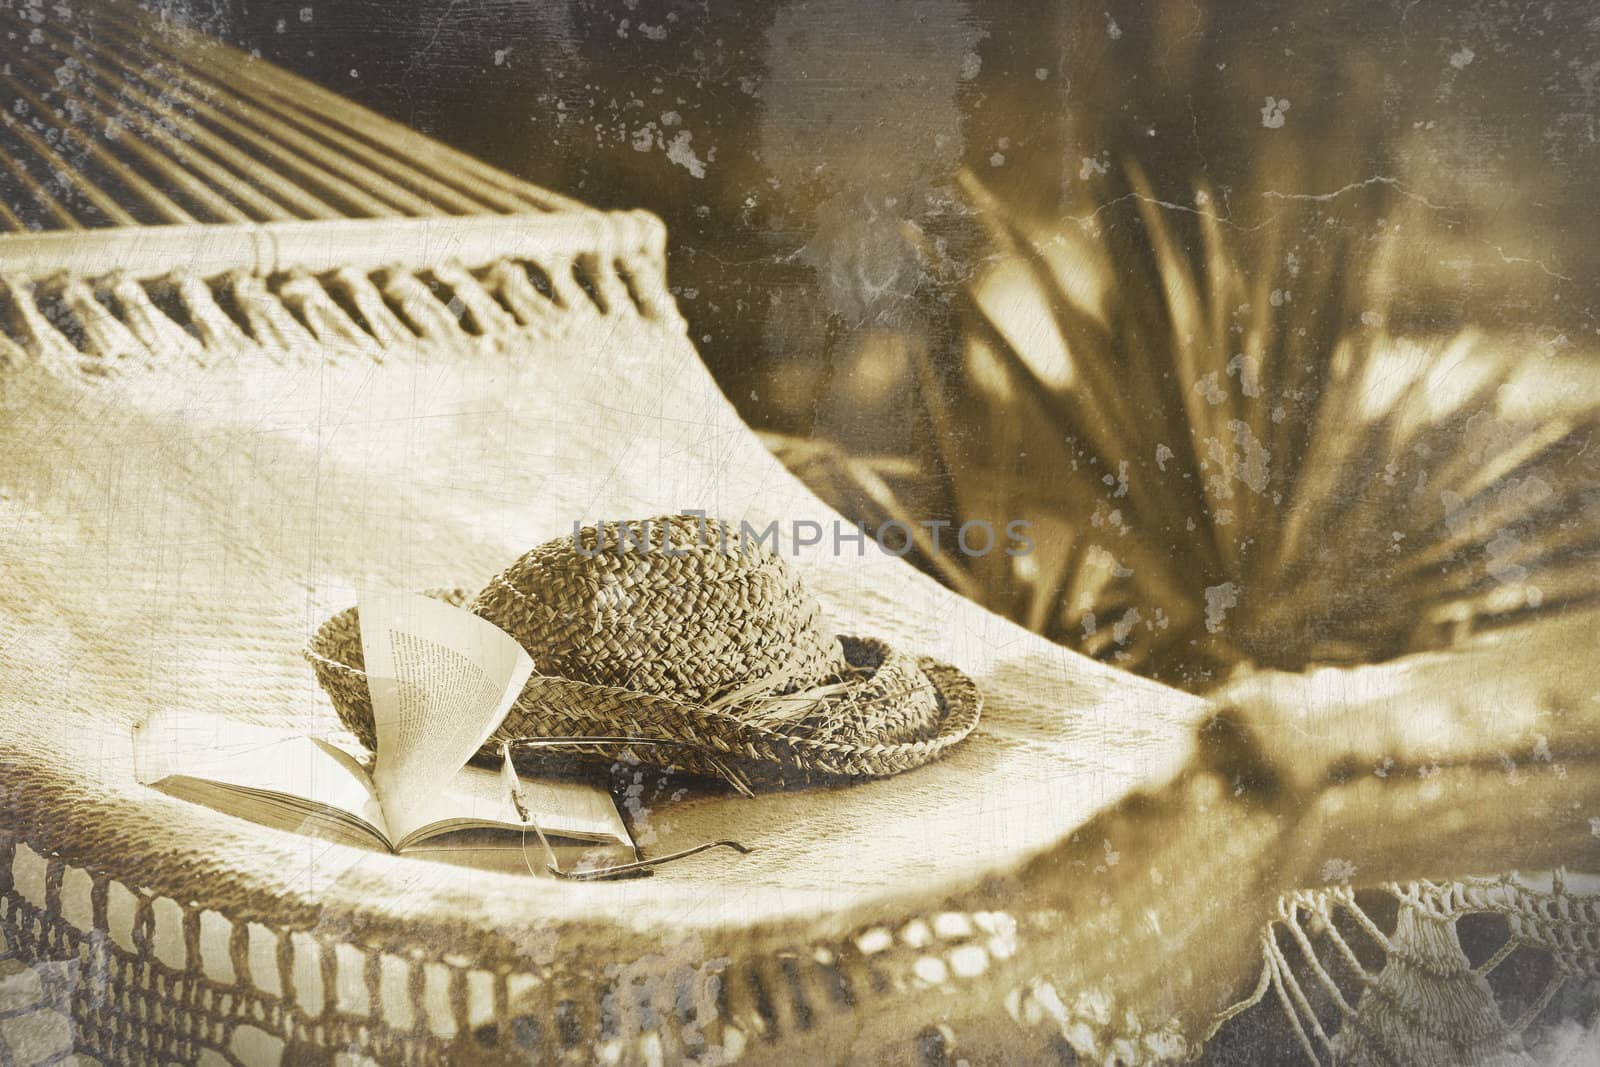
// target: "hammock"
[[290, 346]]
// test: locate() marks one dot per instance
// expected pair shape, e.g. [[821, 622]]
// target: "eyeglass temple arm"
[[508, 774], [598, 873]]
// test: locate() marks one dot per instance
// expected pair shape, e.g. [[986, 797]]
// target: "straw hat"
[[681, 629]]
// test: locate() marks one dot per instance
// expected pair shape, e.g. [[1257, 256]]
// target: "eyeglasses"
[[638, 868]]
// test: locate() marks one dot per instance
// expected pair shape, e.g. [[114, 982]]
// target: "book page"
[[277, 811], [477, 798], [250, 760], [441, 680]]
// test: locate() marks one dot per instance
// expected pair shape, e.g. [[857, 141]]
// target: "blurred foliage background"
[[1270, 318]]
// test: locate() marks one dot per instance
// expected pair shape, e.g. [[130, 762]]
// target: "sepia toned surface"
[[1302, 429]]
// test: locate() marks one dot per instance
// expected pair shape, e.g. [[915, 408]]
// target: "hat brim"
[[693, 738]]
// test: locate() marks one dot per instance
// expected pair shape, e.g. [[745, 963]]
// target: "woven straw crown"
[[676, 606], [683, 631]]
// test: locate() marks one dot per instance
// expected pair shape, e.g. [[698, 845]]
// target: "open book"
[[441, 680]]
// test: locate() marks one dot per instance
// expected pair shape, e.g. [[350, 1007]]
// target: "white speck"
[[655, 33], [305, 14], [1210, 387], [1090, 167], [1113, 31], [930, 969], [971, 63], [671, 118], [952, 924], [1163, 453], [679, 152], [1219, 598], [1594, 827], [1041, 73], [501, 55], [1501, 550], [1248, 372], [1462, 58], [1338, 871], [916, 933], [1124, 626], [353, 73], [1255, 457], [997, 160], [1272, 112]]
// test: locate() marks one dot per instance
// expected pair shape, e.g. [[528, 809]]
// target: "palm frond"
[[1301, 485], [1230, 458]]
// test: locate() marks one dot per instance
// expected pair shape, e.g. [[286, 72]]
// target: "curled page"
[[441, 680]]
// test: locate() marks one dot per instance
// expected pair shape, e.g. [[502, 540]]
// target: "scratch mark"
[[1376, 179], [1170, 205], [1512, 260]]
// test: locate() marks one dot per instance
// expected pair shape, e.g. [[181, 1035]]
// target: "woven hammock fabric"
[[214, 428], [273, 486]]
